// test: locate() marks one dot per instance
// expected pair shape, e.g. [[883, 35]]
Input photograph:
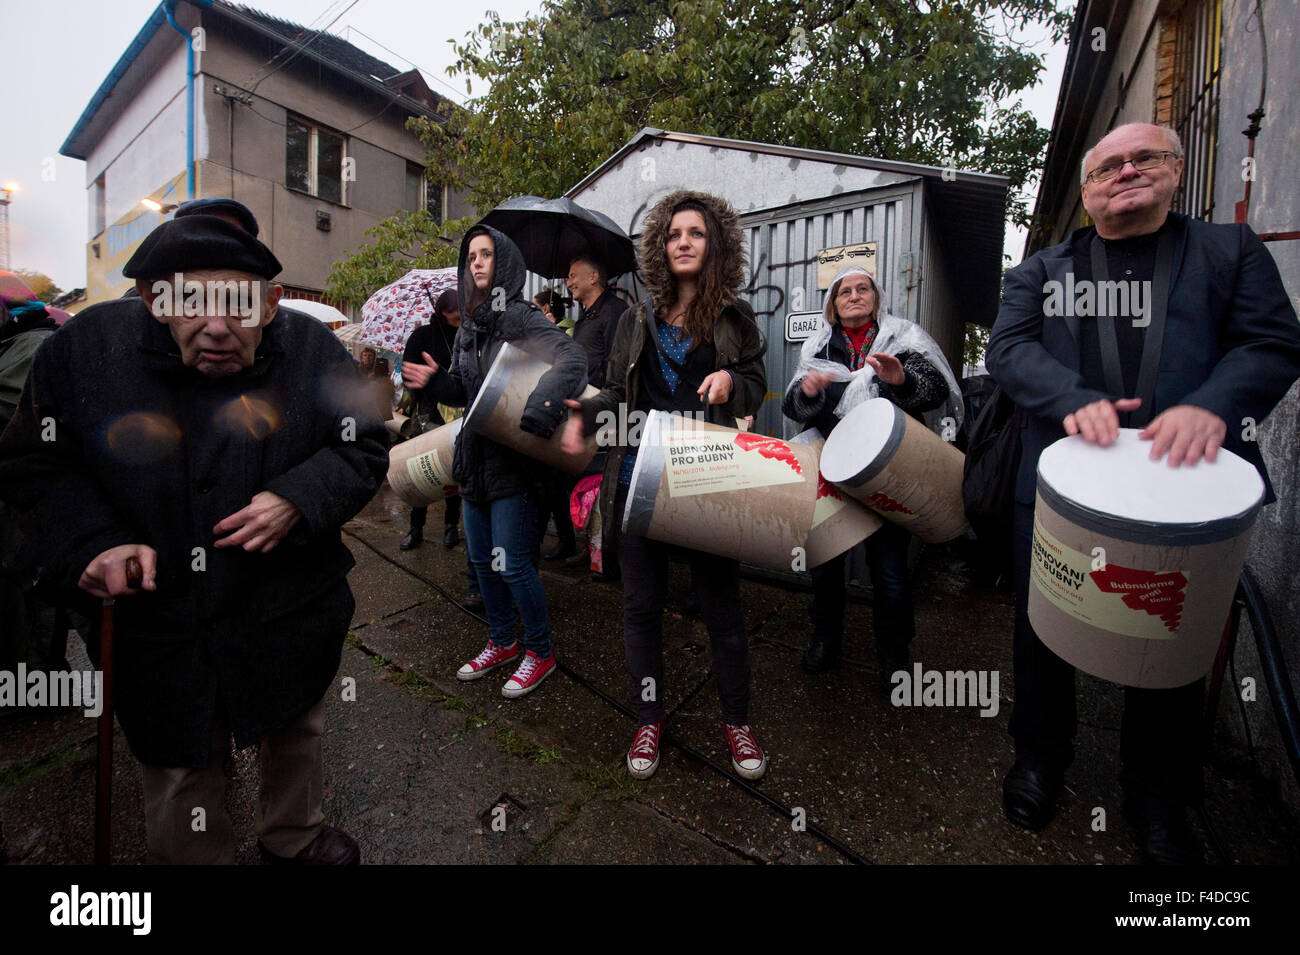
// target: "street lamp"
[[6, 196], [157, 206]]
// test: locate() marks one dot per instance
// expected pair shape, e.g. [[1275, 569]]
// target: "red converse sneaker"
[[746, 757], [531, 672], [491, 658], [643, 757]]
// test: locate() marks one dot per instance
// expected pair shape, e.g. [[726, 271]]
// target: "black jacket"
[[738, 348], [147, 451], [436, 338], [1231, 342], [595, 333], [485, 470]]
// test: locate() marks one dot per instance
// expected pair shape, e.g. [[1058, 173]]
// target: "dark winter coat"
[[147, 451], [739, 349], [485, 470], [595, 333], [737, 342]]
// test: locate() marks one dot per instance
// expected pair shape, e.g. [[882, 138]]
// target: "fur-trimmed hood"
[[653, 257]]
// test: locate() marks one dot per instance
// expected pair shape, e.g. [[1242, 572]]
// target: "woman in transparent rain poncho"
[[860, 352]]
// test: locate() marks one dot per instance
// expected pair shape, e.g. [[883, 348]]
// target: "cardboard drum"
[[419, 470], [499, 407], [735, 494], [1133, 563], [838, 522], [899, 468]]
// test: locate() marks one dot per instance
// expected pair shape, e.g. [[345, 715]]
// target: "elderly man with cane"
[[220, 442]]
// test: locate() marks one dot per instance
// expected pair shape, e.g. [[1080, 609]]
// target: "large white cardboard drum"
[[732, 493], [499, 407], [419, 470], [839, 522], [1133, 563], [899, 468]]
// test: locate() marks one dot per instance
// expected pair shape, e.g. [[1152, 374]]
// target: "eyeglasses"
[[1143, 160]]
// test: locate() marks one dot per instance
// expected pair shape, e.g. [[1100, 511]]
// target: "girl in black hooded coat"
[[501, 490]]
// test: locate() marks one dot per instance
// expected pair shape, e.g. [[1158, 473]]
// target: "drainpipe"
[[1242, 208], [169, 8]]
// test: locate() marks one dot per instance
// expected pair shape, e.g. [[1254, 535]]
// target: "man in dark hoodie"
[[502, 490]]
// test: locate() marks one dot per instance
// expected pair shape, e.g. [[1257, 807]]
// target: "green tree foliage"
[[42, 285], [405, 241], [563, 89], [893, 79]]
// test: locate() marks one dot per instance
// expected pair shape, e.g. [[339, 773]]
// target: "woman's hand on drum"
[[1099, 422], [416, 375], [814, 383], [888, 368], [716, 389], [1186, 432], [571, 438]]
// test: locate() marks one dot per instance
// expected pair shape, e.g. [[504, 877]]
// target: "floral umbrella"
[[391, 314]]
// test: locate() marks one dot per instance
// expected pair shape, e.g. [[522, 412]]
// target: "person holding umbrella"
[[500, 489], [696, 346]]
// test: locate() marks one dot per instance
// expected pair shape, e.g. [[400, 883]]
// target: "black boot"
[[412, 539], [822, 655], [892, 659]]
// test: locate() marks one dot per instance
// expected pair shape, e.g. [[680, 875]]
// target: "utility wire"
[[298, 48]]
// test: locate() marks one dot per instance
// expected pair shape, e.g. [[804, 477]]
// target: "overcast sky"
[[58, 53]]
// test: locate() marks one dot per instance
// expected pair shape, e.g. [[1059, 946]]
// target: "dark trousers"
[[891, 587], [450, 516], [1160, 736], [559, 487], [645, 586]]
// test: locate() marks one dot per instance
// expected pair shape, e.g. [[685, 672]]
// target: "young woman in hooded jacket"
[[709, 356], [501, 489], [860, 352]]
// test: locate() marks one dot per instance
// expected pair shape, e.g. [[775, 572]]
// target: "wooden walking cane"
[[104, 756]]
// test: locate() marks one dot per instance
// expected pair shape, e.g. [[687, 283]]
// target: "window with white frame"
[[314, 159], [421, 193]]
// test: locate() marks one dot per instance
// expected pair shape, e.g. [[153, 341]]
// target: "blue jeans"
[[502, 541]]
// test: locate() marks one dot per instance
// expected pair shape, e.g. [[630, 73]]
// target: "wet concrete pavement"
[[417, 763]]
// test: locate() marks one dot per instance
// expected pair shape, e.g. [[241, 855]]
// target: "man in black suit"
[[1230, 349]]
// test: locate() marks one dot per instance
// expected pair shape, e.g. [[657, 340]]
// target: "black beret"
[[217, 205], [200, 242]]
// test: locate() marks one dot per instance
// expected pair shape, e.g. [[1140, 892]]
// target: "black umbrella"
[[551, 233]]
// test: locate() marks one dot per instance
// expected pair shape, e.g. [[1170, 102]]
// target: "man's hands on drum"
[[1187, 432]]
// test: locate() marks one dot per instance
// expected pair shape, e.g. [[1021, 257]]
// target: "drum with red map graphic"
[[737, 494], [899, 468], [1133, 563]]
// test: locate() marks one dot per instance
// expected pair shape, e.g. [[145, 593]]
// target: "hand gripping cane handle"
[[104, 740]]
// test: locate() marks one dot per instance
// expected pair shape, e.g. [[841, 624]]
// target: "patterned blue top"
[[676, 343]]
